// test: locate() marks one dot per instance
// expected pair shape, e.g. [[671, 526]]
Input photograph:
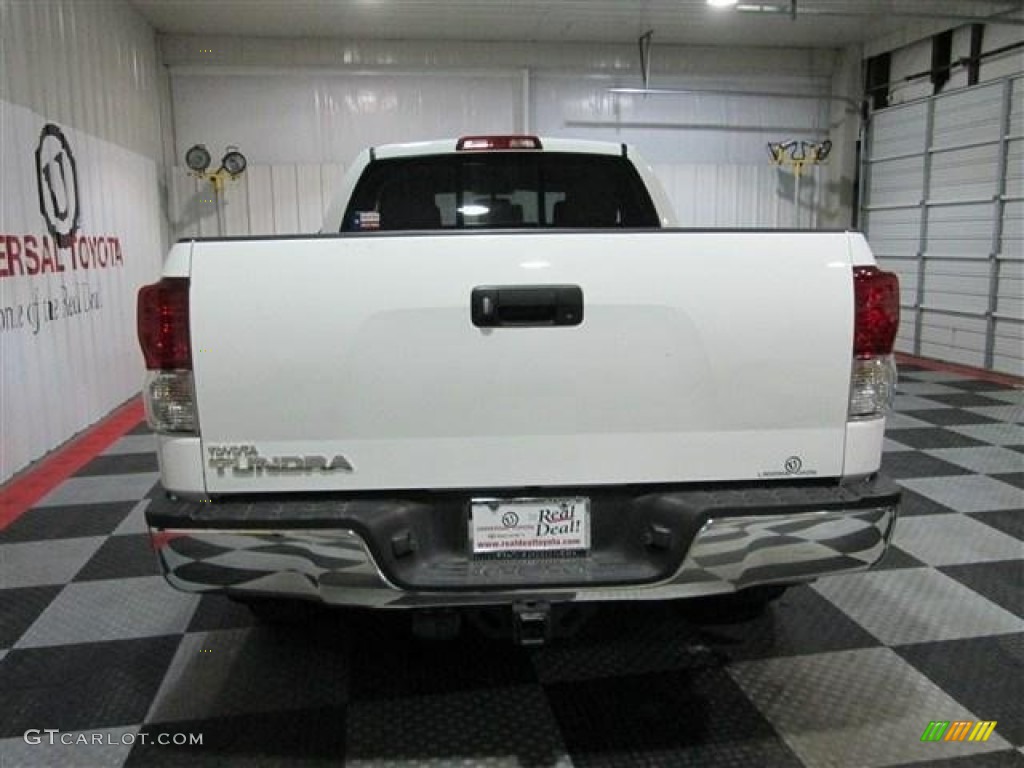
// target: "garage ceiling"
[[818, 23]]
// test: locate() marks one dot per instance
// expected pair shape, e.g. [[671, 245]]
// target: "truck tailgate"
[[702, 356]]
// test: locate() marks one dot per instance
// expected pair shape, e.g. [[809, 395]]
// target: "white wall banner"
[[79, 233]]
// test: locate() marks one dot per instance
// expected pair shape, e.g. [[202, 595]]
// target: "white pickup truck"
[[500, 376]]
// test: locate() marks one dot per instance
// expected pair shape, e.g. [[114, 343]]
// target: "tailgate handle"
[[526, 306]]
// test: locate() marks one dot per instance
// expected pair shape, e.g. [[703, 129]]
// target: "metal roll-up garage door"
[[944, 208]]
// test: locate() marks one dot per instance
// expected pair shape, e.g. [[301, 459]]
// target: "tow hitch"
[[531, 623]]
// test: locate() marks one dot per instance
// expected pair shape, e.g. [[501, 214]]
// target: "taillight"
[[876, 320], [164, 325], [876, 311], [164, 335], [497, 142]]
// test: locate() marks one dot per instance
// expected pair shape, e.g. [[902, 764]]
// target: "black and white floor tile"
[[846, 672]]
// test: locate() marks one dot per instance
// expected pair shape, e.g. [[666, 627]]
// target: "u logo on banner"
[[57, 180]]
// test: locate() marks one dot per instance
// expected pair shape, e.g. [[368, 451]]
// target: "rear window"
[[500, 190]]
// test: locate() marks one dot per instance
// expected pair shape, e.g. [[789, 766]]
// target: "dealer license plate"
[[525, 527]]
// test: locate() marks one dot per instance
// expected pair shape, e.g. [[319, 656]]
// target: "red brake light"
[[497, 142], [876, 311], [164, 324]]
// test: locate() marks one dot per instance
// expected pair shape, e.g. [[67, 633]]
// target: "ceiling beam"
[[999, 17]]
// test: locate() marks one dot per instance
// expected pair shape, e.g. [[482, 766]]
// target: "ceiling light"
[[762, 8], [722, 3]]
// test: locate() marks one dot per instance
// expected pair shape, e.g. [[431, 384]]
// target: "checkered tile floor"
[[847, 672]]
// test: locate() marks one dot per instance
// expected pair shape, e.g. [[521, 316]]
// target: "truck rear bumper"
[[648, 544]]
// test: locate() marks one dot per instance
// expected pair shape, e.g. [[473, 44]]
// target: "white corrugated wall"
[[945, 210], [302, 109], [88, 72]]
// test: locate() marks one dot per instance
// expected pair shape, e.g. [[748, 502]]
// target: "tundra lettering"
[[245, 461]]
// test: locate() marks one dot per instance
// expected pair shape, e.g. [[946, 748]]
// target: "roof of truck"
[[450, 146]]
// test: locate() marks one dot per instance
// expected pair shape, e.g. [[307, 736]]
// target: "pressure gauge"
[[198, 158]]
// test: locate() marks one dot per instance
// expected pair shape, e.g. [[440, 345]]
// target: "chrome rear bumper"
[[336, 566]]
